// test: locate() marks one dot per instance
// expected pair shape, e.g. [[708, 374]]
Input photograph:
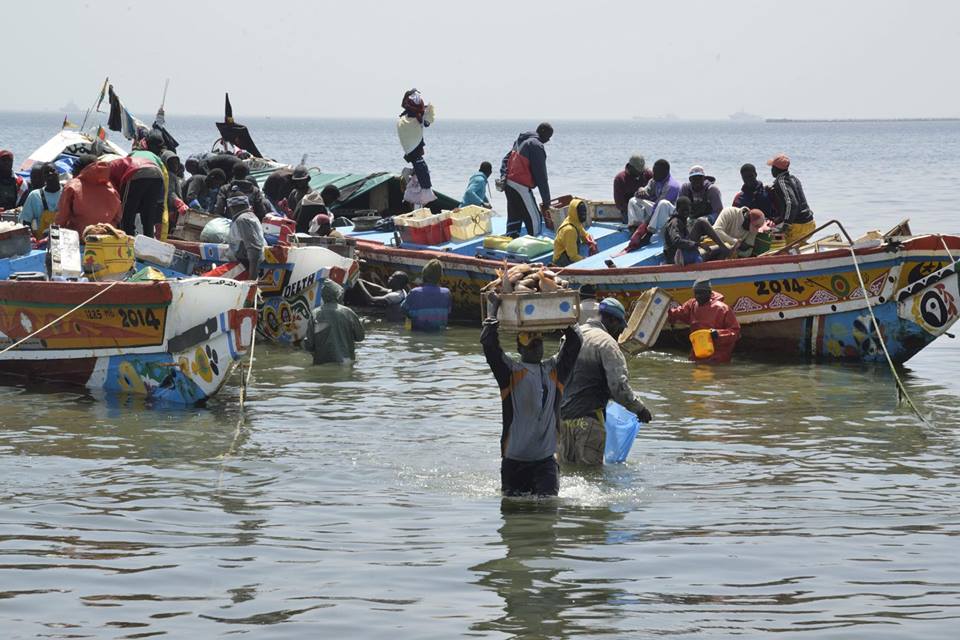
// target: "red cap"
[[781, 161]]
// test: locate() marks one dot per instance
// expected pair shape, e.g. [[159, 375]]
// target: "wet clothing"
[[476, 192], [582, 440], [89, 199], [38, 201], [243, 188], [706, 203], [791, 202], [530, 403], [530, 478], [333, 330], [392, 302], [713, 315], [600, 375], [572, 243], [757, 196], [625, 186], [12, 188], [246, 242], [428, 307]]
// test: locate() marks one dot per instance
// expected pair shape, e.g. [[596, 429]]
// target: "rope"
[[50, 324], [901, 389], [244, 383]]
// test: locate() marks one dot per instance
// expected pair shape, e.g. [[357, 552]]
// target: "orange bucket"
[[702, 343]]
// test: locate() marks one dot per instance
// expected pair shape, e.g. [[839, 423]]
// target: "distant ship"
[[743, 116], [70, 107]]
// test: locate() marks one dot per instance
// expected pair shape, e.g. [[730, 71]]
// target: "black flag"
[[236, 134]]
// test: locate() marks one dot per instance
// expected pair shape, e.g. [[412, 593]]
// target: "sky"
[[563, 59]]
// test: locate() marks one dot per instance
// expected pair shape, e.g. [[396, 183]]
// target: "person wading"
[[707, 310], [531, 391], [334, 329]]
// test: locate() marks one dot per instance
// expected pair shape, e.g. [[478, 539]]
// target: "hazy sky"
[[493, 59]]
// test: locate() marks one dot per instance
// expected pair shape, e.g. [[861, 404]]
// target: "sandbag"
[[216, 231]]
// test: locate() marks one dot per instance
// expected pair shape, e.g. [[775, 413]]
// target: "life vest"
[[47, 216], [518, 169]]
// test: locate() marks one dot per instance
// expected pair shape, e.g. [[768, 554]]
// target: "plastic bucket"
[[702, 343]]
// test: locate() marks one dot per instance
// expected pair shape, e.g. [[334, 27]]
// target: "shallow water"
[[363, 501]]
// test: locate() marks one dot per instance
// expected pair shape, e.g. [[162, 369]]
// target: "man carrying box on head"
[[600, 375], [531, 391]]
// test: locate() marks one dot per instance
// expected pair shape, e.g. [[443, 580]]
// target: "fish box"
[[537, 311], [191, 224], [107, 257], [64, 250], [646, 321], [423, 227], [15, 242], [559, 207], [470, 222], [153, 251]]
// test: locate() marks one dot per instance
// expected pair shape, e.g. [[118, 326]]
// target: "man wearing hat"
[[739, 226], [634, 175], [428, 306], [300, 187], [12, 186], [531, 391], [600, 375], [791, 203], [707, 310], [703, 193]]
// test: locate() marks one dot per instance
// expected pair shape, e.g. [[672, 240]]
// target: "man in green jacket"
[[333, 329]]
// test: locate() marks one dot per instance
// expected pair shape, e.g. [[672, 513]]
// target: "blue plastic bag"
[[622, 427]]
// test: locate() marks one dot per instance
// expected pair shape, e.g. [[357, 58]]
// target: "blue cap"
[[613, 307]]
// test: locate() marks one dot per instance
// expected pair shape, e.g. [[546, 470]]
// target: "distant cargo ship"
[[743, 116]]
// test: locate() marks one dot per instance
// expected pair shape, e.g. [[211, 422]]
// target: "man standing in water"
[[524, 168], [334, 329], [531, 390], [600, 375]]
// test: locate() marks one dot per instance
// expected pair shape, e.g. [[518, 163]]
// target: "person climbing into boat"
[[635, 175], [300, 187], [573, 243], [12, 186], [175, 195], [792, 209], [476, 192], [707, 310], [428, 306], [705, 198], [245, 236], [390, 298], [416, 115], [682, 236], [754, 194], [600, 375], [652, 205], [90, 197], [40, 209], [241, 186], [333, 329], [202, 189], [531, 391], [522, 169], [139, 181], [739, 226]]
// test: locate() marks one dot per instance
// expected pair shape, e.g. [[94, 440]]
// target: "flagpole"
[[163, 100], [87, 114]]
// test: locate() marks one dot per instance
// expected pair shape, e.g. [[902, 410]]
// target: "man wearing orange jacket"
[[707, 310]]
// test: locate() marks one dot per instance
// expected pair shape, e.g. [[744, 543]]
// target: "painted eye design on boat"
[[933, 309], [214, 360]]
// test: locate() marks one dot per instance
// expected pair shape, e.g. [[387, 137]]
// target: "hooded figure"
[[428, 306], [89, 198], [707, 310], [573, 243], [333, 330]]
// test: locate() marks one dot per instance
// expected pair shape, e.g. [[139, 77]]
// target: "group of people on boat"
[[654, 203]]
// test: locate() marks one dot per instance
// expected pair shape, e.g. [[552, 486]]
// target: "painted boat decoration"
[[290, 281], [806, 305], [174, 341]]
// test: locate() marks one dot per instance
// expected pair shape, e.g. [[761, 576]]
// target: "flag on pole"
[[101, 133], [67, 124], [120, 119], [103, 94], [236, 134]]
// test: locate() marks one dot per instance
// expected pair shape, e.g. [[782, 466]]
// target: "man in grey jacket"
[[599, 376], [531, 390]]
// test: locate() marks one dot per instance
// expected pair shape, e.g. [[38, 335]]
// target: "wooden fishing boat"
[[175, 341], [290, 281], [808, 304]]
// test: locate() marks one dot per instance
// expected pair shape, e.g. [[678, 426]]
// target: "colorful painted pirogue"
[[175, 341], [290, 281], [808, 305]]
